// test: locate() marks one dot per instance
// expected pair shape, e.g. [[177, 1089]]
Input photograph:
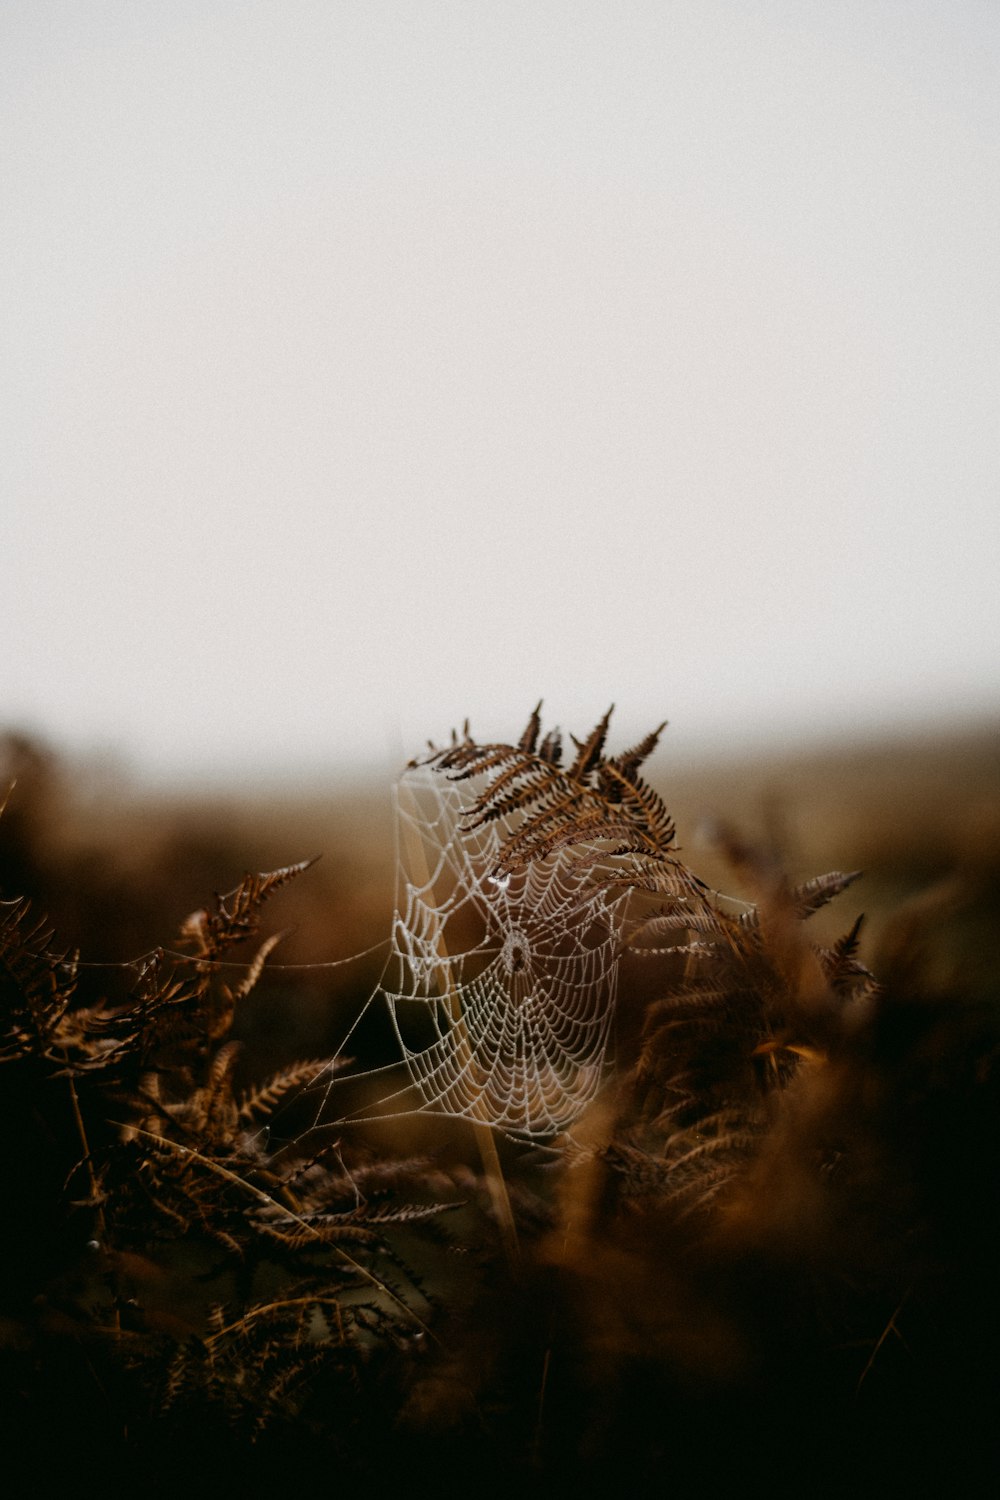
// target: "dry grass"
[[767, 1258]]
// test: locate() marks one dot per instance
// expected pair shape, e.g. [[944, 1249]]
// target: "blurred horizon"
[[371, 367], [748, 751]]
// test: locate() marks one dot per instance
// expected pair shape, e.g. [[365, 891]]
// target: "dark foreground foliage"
[[765, 1258]]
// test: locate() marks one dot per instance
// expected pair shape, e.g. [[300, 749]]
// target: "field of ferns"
[[759, 1249]]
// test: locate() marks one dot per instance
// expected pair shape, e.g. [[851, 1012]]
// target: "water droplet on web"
[[520, 983]]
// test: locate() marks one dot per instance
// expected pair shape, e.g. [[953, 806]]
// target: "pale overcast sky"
[[368, 365]]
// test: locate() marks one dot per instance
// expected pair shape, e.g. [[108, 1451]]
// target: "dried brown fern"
[[37, 984], [595, 800], [751, 1003], [186, 1176], [794, 1177]]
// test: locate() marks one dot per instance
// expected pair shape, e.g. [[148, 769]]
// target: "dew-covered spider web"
[[501, 990]]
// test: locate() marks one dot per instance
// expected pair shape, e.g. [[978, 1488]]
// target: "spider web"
[[501, 990]]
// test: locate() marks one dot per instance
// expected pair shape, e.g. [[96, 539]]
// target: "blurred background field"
[[117, 864]]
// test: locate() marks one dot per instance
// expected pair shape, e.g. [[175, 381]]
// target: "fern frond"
[[263, 1100], [594, 798], [36, 982], [589, 750], [550, 750], [814, 894], [629, 761], [529, 738], [256, 968], [846, 975], [235, 916]]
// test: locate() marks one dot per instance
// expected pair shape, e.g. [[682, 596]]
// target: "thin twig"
[[890, 1327]]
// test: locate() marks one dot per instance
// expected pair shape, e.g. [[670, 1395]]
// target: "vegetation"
[[764, 1255]]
